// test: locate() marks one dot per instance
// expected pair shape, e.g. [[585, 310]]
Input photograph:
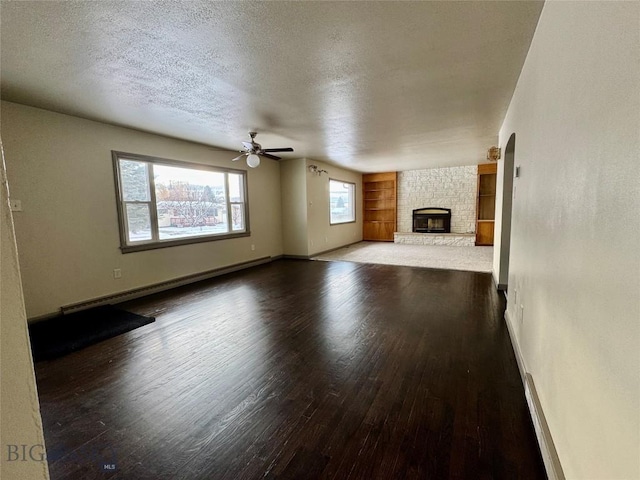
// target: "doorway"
[[507, 201]]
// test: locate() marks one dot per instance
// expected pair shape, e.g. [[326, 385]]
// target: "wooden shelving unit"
[[486, 204], [379, 222]]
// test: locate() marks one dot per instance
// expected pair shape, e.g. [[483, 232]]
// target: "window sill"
[[183, 241], [341, 223]]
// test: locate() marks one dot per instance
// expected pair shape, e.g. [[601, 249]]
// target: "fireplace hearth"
[[432, 220]]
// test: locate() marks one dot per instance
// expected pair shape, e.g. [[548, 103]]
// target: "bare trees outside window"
[[163, 202]]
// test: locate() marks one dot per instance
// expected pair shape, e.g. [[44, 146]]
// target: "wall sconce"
[[493, 154], [317, 171]]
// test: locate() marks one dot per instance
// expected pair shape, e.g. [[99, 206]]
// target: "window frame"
[[355, 213], [156, 242]]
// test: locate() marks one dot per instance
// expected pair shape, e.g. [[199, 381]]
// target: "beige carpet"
[[474, 259]]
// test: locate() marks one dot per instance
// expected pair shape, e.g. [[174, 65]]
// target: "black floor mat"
[[59, 336]]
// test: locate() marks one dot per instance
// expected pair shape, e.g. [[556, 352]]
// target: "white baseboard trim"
[[493, 277], [499, 286], [543, 434], [516, 347]]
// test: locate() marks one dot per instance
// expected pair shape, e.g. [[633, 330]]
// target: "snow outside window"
[[164, 202], [342, 196]]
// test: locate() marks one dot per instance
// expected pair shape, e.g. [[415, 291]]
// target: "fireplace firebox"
[[432, 220]]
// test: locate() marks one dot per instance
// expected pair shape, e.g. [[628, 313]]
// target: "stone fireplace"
[[432, 220], [454, 189]]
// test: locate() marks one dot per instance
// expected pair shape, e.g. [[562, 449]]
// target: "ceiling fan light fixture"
[[253, 160], [253, 151]]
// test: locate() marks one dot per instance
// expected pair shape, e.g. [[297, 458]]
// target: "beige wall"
[[305, 207], [19, 407], [294, 207], [60, 167], [321, 235], [575, 256]]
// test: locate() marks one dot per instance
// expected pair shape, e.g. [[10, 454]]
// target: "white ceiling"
[[371, 86]]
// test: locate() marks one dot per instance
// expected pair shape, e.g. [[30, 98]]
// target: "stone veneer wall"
[[450, 239], [451, 187]]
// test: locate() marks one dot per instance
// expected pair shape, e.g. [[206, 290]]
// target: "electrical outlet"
[[16, 206], [117, 273]]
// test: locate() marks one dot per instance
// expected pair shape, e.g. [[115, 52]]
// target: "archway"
[[507, 199]]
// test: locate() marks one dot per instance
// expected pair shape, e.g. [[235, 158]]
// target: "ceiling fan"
[[253, 151]]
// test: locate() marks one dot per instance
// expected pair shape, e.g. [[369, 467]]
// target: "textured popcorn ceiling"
[[371, 86]]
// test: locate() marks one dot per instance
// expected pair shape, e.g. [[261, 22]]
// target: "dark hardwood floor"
[[298, 369]]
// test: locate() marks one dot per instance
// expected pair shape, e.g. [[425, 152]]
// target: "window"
[[165, 202], [342, 201]]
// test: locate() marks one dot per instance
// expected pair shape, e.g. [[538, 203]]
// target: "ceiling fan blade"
[[247, 145], [239, 157], [288, 149], [273, 157]]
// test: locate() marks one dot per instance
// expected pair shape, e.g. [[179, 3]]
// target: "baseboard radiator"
[[547, 448], [162, 286], [543, 434]]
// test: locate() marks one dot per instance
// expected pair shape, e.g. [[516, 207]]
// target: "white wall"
[[60, 167], [452, 187], [19, 406], [575, 255]]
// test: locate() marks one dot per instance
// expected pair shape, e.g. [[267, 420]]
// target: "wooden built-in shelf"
[[379, 223], [486, 203]]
